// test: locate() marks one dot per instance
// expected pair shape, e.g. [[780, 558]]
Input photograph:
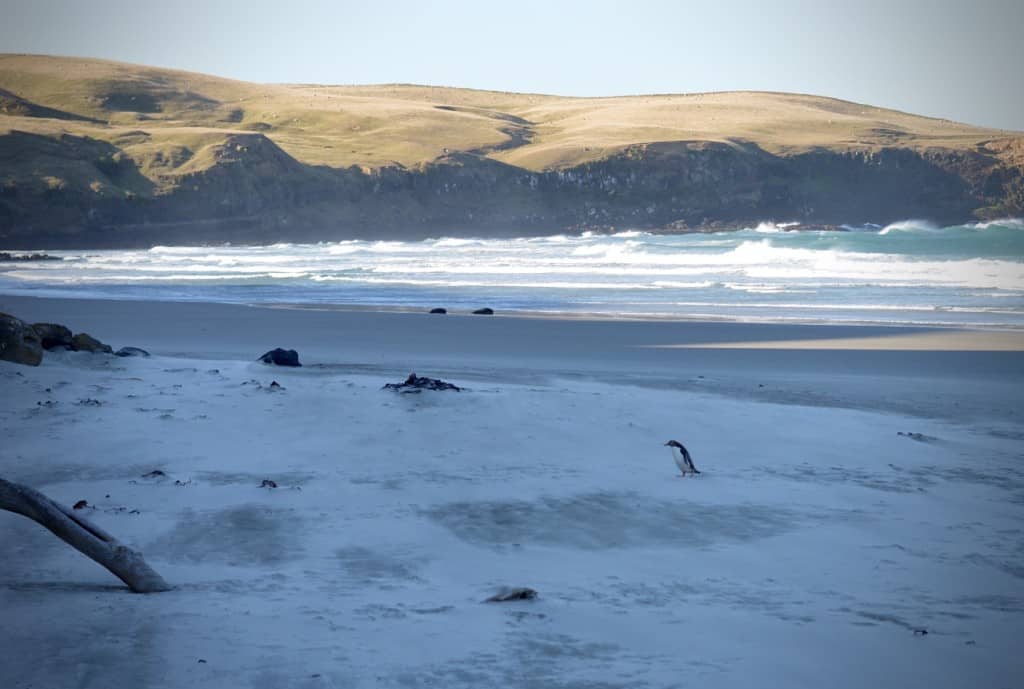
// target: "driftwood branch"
[[125, 563]]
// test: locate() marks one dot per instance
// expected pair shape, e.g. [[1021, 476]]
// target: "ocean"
[[905, 273]]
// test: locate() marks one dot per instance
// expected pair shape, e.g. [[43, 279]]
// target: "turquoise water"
[[909, 272]]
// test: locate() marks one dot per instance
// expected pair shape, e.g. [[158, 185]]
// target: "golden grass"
[[374, 126]]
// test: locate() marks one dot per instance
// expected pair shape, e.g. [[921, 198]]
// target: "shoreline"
[[938, 373], [647, 317], [596, 316], [1007, 335]]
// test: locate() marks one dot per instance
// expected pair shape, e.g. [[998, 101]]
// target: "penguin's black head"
[[673, 443]]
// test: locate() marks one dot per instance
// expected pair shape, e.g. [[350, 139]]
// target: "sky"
[[958, 60]]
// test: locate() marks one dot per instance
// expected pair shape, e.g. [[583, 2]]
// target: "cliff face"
[[86, 170], [254, 192]]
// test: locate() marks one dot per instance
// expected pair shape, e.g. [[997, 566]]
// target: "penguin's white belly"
[[677, 457]]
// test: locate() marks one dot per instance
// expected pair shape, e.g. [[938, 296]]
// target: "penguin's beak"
[[668, 443]]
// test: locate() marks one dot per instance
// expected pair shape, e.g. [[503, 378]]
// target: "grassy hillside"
[[374, 126], [82, 141]]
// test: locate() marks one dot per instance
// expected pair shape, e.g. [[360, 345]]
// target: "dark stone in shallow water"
[[5, 256], [486, 311], [438, 310], [416, 383], [281, 357], [131, 351]]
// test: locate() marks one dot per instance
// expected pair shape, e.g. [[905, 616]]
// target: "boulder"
[[438, 310], [131, 351], [19, 342], [281, 357], [53, 335], [84, 342], [484, 312]]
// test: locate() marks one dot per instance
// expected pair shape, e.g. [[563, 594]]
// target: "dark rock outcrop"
[[84, 342], [438, 310], [281, 357], [510, 594], [19, 342], [484, 312], [6, 257], [131, 351], [416, 383], [53, 335]]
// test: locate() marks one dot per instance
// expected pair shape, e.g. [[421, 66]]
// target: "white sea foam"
[[1012, 223], [910, 226], [901, 269], [774, 228]]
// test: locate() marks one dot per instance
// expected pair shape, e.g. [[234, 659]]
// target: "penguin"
[[682, 458]]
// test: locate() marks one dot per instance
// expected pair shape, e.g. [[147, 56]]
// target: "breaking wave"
[[910, 271]]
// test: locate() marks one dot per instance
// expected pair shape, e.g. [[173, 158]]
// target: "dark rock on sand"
[[131, 351], [19, 342], [80, 505], [438, 310], [486, 311], [84, 342], [506, 595], [53, 335], [416, 383], [281, 357], [268, 483]]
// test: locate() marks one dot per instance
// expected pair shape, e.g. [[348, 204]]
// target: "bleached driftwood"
[[125, 563]]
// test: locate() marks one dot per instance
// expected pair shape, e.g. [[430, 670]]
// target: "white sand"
[[814, 543]]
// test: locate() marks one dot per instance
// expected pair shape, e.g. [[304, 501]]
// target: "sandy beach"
[[860, 486]]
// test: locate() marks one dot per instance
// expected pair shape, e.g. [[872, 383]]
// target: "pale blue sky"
[[959, 60]]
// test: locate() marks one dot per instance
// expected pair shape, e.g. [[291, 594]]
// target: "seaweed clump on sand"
[[415, 384]]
